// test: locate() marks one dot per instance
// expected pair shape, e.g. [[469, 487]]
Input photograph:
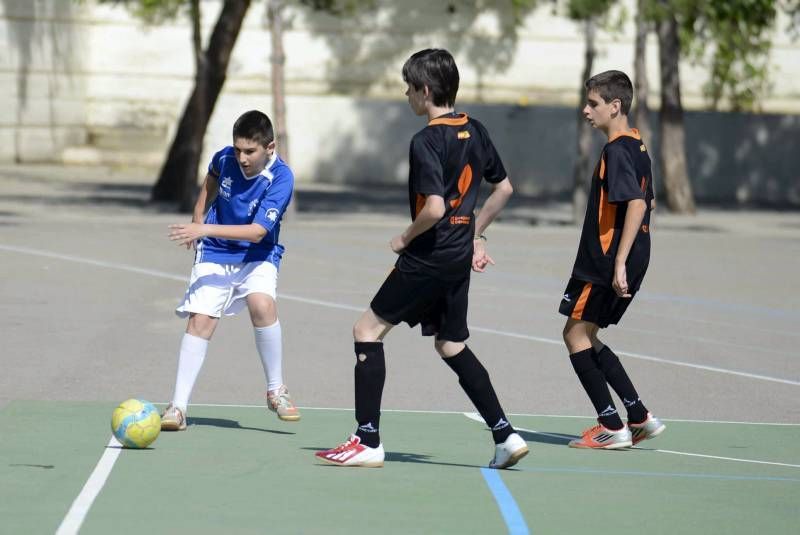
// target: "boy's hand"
[[186, 233], [398, 244], [620, 282], [479, 257]]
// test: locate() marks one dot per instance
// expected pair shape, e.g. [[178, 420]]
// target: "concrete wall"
[[89, 83]]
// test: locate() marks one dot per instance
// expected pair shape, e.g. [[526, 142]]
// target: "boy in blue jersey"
[[449, 158], [612, 259], [235, 229]]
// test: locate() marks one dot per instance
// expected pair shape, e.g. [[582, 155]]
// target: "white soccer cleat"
[[650, 428], [353, 453], [509, 453], [173, 419]]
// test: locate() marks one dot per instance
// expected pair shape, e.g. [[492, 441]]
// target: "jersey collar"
[[449, 119], [633, 132]]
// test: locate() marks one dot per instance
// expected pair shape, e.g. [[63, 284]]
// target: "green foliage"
[[338, 7], [732, 38], [586, 9], [153, 11], [741, 33]]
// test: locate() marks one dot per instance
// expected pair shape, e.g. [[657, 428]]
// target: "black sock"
[[370, 374], [474, 379], [618, 379], [594, 382]]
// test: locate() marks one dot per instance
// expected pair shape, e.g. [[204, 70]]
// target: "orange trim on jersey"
[[464, 182], [461, 120], [420, 204], [602, 174], [577, 312], [606, 215], [634, 133], [644, 184]]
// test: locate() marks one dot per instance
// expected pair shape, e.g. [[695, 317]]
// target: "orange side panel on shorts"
[[577, 312], [606, 215]]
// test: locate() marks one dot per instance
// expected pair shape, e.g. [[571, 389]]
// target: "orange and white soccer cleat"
[[353, 453], [602, 438]]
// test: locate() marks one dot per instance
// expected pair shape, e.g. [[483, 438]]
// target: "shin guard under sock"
[[594, 383], [474, 379], [370, 374]]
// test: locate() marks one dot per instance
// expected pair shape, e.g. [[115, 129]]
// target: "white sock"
[[190, 360], [270, 348]]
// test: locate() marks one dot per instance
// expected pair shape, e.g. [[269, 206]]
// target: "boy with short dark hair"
[[612, 259], [430, 282], [245, 193]]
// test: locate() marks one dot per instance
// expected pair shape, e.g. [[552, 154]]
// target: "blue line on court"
[[660, 474], [505, 501]]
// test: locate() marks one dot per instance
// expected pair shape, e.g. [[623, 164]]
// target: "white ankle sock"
[[270, 348], [190, 360]]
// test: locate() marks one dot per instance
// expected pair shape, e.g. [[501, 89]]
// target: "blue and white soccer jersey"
[[226, 271]]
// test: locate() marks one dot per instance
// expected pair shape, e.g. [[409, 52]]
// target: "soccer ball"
[[135, 423]]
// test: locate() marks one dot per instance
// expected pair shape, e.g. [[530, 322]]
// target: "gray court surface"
[[89, 283]]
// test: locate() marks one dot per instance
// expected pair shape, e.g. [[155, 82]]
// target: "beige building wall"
[[84, 82]]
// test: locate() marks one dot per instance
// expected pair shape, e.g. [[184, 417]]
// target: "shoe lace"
[[593, 430], [347, 444], [280, 399]]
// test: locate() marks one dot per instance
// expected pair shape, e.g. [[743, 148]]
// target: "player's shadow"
[[557, 439], [231, 424], [406, 457]]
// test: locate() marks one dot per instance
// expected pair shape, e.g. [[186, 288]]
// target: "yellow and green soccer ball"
[[135, 423]]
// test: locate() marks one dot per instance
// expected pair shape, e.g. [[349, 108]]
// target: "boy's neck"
[[618, 126], [438, 111]]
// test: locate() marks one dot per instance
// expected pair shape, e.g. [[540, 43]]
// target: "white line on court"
[[412, 411], [80, 507], [340, 306], [477, 418]]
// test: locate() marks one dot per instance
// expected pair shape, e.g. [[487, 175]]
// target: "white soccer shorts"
[[217, 289]]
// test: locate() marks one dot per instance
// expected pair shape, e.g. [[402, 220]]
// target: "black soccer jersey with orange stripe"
[[449, 157], [622, 174]]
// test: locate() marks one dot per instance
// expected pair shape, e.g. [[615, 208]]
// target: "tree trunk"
[[583, 165], [642, 112], [178, 178], [278, 60], [673, 148]]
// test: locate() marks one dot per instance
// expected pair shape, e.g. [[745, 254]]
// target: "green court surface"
[[239, 470]]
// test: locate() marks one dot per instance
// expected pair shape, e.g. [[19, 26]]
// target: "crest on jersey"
[[225, 187], [272, 214]]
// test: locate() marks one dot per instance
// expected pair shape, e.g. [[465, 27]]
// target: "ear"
[[271, 147], [616, 107]]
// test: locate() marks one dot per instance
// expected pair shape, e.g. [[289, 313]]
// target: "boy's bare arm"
[[495, 202], [428, 216], [188, 233], [501, 192], [208, 192], [633, 220]]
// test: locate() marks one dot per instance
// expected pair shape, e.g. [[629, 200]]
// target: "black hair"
[[612, 85], [435, 68], [254, 125]]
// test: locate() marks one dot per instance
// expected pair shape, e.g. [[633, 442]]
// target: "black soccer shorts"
[[439, 306], [596, 304]]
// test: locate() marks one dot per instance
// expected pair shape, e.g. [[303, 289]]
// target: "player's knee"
[[447, 349], [363, 332], [201, 325], [263, 310]]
